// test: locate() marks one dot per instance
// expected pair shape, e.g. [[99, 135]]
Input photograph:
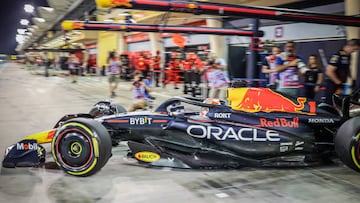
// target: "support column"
[[107, 42], [156, 43], [50, 34], [122, 45], [352, 7], [217, 43], [252, 71]]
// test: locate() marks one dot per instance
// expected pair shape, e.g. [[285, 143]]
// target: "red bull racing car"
[[258, 127]]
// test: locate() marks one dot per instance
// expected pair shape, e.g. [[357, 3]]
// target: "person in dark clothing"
[[338, 69], [313, 77]]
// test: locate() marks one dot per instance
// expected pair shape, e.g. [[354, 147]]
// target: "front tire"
[[347, 143], [81, 146]]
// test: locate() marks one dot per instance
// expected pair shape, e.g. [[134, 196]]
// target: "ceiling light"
[[24, 22], [29, 8], [21, 31]]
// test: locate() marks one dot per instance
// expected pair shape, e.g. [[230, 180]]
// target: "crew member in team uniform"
[[269, 64], [191, 72], [338, 69], [156, 61], [312, 78], [173, 71], [141, 64]]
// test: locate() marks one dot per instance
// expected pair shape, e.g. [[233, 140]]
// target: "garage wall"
[[302, 31], [295, 31], [139, 46], [190, 40]]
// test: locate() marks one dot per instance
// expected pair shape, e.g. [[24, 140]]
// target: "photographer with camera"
[[140, 93]]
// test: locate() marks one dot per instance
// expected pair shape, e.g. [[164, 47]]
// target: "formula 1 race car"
[[258, 127]]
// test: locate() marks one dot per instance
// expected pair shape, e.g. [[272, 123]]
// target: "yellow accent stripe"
[[41, 137], [86, 171], [353, 155], [96, 149], [80, 125]]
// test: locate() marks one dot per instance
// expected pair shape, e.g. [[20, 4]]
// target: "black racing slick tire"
[[81, 146], [347, 143]]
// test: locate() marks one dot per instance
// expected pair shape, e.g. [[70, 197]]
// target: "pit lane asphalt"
[[33, 103]]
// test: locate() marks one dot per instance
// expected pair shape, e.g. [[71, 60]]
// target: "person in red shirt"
[[156, 61], [192, 74], [173, 71], [189, 67], [141, 64]]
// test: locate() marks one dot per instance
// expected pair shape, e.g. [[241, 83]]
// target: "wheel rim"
[[74, 149]]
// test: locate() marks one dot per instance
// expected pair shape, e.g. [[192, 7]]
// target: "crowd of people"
[[188, 69], [288, 73]]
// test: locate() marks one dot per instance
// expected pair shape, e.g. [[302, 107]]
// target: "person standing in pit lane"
[[312, 78], [269, 64], [141, 64], [73, 64], [218, 79], [338, 69], [114, 73], [289, 65], [174, 67], [155, 67]]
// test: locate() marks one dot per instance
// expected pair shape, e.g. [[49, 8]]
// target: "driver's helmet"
[[212, 101]]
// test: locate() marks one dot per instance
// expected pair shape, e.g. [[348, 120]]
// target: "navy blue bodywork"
[[188, 133], [224, 137]]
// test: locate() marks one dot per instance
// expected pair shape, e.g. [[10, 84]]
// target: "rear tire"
[[347, 143], [81, 146]]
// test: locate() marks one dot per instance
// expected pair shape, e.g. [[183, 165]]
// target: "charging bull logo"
[[263, 100], [113, 3], [71, 25], [125, 3], [192, 6]]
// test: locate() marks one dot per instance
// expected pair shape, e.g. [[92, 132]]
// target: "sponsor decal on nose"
[[280, 122], [26, 146], [147, 156]]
